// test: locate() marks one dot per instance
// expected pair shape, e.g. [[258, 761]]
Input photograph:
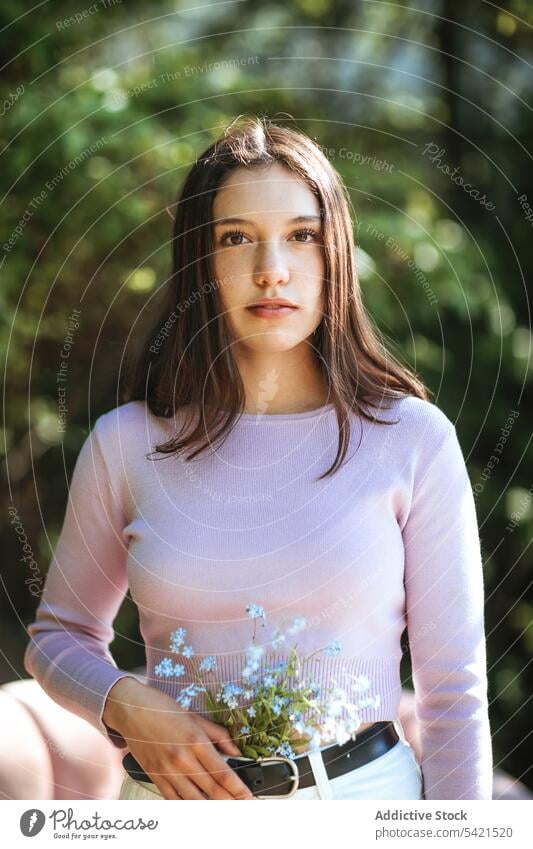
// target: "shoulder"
[[418, 416], [128, 431], [121, 420], [415, 426]]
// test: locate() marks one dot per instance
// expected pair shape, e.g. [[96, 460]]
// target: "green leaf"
[[210, 700], [249, 752]]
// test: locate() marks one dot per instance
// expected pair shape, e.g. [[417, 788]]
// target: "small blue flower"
[[286, 751], [298, 624], [254, 651], [315, 689], [187, 651], [229, 693], [177, 638], [245, 729], [186, 695], [278, 640], [274, 672], [179, 669], [253, 654], [269, 681], [334, 648], [165, 668], [277, 705], [251, 711], [255, 611], [208, 664]]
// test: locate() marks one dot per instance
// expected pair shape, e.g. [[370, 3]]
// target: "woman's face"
[[268, 254]]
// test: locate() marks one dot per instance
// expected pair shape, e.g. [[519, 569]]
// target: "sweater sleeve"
[[445, 621], [68, 653]]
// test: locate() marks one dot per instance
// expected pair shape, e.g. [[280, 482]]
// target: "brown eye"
[[231, 235], [312, 233]]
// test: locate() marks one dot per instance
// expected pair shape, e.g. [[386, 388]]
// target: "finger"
[[164, 787], [183, 778], [196, 776], [228, 747], [209, 786], [167, 790], [219, 770], [188, 789], [220, 735]]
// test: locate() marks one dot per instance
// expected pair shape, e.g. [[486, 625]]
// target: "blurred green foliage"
[[103, 116]]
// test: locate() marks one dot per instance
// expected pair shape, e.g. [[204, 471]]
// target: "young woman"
[[300, 467]]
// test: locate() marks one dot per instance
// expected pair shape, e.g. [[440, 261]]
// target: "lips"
[[272, 311], [273, 307], [273, 302]]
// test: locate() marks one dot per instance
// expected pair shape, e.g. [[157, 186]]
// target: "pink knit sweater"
[[391, 540]]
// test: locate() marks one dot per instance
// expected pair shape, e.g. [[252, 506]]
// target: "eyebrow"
[[299, 218]]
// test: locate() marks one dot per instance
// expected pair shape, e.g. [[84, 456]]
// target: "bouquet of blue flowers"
[[277, 712]]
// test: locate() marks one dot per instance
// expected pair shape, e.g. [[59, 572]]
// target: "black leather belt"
[[277, 776]]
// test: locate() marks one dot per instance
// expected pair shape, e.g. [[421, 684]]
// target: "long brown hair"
[[187, 359]]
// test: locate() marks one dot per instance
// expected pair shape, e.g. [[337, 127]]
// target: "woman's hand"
[[175, 748]]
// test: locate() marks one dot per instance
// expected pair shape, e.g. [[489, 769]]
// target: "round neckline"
[[286, 417]]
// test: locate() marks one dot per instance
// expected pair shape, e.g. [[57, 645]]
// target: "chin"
[[272, 343]]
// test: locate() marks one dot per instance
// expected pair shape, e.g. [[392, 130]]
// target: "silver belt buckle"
[[295, 777]]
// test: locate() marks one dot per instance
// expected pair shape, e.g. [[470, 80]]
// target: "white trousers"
[[394, 775]]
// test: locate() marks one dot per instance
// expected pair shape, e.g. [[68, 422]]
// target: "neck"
[[283, 382]]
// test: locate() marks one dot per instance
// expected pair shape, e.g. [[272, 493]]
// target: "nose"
[[270, 265]]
